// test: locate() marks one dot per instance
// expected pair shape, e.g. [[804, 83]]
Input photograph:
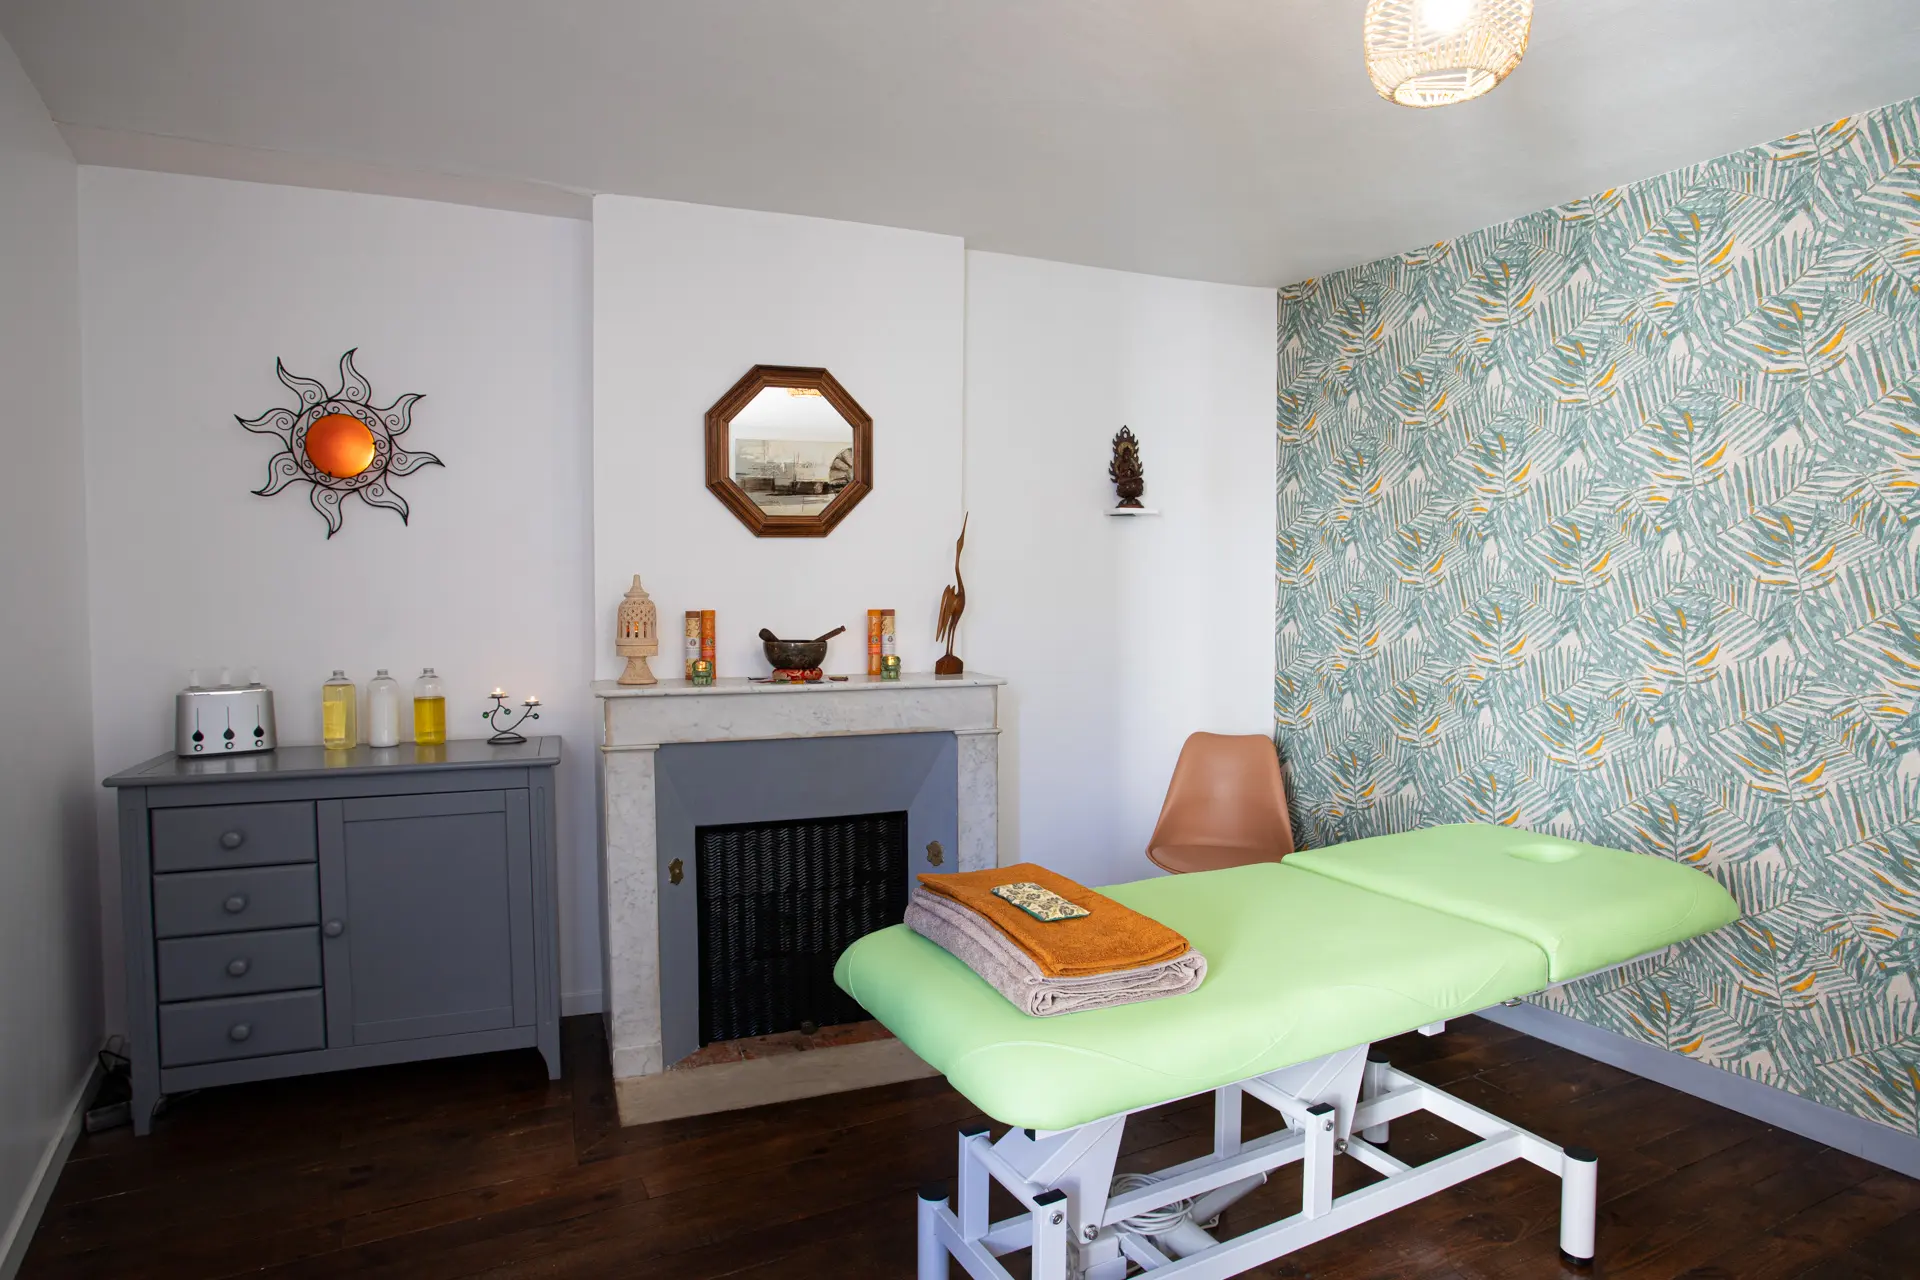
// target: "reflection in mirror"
[[791, 451]]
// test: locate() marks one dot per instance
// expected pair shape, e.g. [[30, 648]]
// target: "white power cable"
[[1154, 1221]]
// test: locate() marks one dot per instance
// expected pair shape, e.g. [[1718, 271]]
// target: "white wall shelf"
[[1133, 511]]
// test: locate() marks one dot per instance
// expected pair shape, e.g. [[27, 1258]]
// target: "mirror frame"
[[720, 455]]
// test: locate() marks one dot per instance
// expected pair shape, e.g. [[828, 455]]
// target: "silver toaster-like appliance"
[[224, 719]]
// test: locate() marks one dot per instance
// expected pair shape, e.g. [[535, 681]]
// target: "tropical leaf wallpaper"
[[1607, 522]]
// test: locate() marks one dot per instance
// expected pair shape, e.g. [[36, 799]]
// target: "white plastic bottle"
[[383, 710]]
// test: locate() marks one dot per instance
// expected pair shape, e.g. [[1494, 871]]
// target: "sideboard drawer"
[[236, 964], [195, 902], [248, 1027], [232, 835]]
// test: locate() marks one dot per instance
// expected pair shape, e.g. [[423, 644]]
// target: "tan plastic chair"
[[1226, 806]]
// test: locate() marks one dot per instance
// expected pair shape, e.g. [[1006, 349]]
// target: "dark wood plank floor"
[[481, 1167]]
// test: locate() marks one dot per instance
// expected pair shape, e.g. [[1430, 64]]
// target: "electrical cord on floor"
[[112, 1104]]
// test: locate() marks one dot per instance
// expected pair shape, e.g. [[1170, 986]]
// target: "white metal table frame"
[[1080, 1225]]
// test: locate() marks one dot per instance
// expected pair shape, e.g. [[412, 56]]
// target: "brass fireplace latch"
[[935, 854], [674, 870]]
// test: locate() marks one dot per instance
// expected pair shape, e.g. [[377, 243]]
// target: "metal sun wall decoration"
[[339, 443]]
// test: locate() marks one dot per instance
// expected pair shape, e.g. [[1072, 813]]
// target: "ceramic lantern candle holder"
[[637, 636]]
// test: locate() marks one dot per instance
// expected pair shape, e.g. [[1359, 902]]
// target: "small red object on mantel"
[[797, 675]]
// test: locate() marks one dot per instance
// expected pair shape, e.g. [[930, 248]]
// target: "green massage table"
[[1309, 962]]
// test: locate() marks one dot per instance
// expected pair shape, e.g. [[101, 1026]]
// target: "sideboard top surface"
[[287, 764]]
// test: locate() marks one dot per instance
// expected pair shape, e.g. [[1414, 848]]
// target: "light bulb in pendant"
[[1445, 16]]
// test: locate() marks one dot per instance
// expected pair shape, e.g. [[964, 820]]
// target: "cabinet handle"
[[232, 839], [238, 968], [334, 928], [239, 1031], [236, 904]]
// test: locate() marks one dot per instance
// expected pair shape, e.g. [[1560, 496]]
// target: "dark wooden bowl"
[[795, 655]]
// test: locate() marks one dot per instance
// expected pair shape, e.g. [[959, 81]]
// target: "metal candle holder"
[[504, 735]]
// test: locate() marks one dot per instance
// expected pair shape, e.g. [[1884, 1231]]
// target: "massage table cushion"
[[1586, 907], [1304, 959]]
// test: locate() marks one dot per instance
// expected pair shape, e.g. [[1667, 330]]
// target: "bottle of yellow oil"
[[339, 713], [429, 709]]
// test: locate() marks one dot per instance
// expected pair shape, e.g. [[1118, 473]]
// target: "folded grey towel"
[[1010, 971]]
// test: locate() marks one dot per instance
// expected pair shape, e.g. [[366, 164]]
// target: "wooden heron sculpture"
[[953, 603]]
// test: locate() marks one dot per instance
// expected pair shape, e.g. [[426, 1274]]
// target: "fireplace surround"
[[676, 757]]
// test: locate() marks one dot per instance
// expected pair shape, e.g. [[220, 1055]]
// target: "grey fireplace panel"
[[720, 783]]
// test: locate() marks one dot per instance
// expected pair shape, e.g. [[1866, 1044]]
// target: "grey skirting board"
[[1838, 1129]]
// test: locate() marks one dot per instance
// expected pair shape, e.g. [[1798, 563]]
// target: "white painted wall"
[[1120, 636], [191, 287], [686, 299], [49, 950]]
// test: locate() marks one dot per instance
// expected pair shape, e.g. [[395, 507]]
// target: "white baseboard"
[[1838, 1129], [26, 1218], [571, 1003]]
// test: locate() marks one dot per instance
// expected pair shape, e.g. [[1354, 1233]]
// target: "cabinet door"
[[426, 915]]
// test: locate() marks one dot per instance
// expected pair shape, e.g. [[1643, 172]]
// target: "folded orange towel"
[[1110, 938]]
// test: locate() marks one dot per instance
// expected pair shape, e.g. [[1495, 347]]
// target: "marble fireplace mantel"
[[640, 719]]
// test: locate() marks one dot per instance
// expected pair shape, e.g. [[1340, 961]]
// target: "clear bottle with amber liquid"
[[429, 710], [339, 713]]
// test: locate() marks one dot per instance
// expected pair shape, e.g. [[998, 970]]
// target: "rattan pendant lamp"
[[1432, 53]]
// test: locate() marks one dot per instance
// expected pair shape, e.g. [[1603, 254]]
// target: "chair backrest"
[[1226, 790]]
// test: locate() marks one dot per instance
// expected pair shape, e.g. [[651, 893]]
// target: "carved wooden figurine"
[[953, 602], [638, 635], [1129, 481]]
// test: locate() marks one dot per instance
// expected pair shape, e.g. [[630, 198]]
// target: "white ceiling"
[[1233, 140]]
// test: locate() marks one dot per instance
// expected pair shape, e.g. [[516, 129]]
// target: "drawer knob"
[[238, 968], [239, 1031], [232, 839], [236, 904], [334, 928]]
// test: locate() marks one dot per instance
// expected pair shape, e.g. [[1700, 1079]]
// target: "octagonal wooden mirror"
[[789, 451]]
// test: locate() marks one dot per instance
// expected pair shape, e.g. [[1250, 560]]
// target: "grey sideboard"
[[305, 910]]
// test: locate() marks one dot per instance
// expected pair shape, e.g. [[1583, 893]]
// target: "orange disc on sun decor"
[[340, 445]]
